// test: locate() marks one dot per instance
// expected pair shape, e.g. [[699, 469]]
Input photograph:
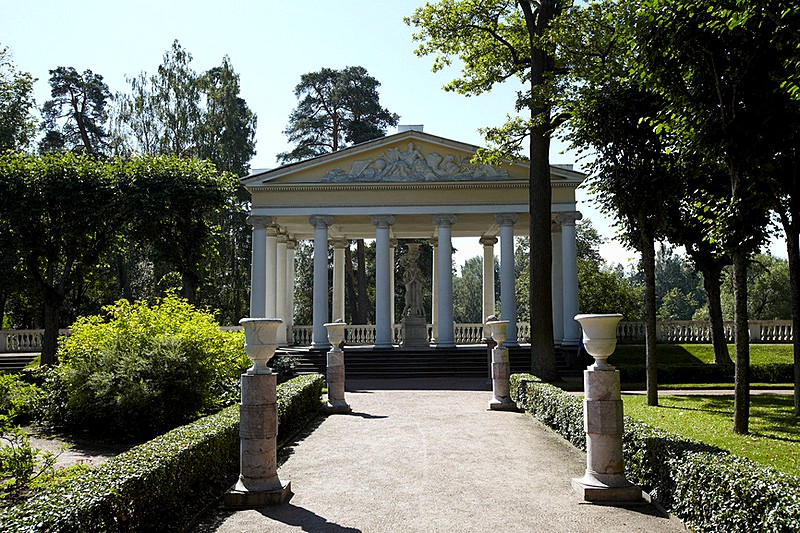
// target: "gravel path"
[[434, 460]]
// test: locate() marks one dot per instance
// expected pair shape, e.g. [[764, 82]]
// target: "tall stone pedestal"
[[501, 387], [258, 483], [335, 381], [415, 333], [604, 480]]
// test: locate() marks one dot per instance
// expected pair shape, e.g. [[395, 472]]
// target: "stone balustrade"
[[669, 332]]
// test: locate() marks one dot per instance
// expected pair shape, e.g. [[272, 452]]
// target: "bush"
[[158, 485], [142, 370], [709, 373], [708, 488], [20, 401]]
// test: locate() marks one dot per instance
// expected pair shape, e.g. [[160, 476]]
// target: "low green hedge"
[[710, 373], [159, 485], [708, 488]]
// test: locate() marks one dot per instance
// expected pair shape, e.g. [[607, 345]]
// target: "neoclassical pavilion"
[[411, 185]]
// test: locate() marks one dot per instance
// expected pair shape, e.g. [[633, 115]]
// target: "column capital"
[[382, 221], [258, 221], [272, 230], [319, 221], [291, 243], [393, 243], [434, 242], [506, 219], [569, 219], [339, 243], [283, 238], [488, 240], [444, 220], [555, 227]]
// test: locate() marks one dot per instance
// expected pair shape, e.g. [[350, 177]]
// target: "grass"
[[698, 354], [774, 438]]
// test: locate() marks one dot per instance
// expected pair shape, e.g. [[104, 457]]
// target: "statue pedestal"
[[415, 333], [501, 387], [604, 480], [335, 381], [258, 483]]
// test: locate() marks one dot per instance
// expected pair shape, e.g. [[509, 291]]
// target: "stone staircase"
[[366, 362], [15, 362]]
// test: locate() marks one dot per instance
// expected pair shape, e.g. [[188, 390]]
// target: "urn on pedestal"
[[604, 480]]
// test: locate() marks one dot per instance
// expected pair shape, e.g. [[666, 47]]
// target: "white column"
[[337, 311], [291, 244], [444, 271], [319, 335], [280, 287], [569, 256], [558, 285], [272, 279], [434, 290], [258, 268], [383, 315], [508, 297], [488, 243], [392, 265]]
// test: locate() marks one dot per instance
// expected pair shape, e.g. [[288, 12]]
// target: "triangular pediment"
[[407, 157]]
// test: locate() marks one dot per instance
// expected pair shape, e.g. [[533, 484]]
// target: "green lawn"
[[693, 354], [774, 438]]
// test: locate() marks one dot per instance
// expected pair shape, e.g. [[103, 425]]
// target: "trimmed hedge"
[[710, 373], [707, 487], [159, 485]]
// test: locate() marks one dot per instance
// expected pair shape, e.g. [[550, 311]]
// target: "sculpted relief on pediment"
[[411, 164]]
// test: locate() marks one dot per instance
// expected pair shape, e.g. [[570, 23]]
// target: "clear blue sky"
[[271, 44]]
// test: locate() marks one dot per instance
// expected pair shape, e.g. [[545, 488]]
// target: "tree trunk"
[[711, 284], [793, 254], [543, 358], [648, 249], [52, 300], [362, 281], [352, 296], [741, 404], [189, 288]]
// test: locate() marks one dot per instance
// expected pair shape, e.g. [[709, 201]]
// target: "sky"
[[270, 44]]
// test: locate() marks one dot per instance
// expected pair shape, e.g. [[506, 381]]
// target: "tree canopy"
[[336, 108], [17, 123]]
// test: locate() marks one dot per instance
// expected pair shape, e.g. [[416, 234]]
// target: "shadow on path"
[[299, 517]]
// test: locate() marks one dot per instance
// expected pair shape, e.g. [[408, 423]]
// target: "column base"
[[504, 403], [613, 489], [321, 346], [245, 499], [337, 407]]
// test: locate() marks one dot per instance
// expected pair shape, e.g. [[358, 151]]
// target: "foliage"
[[336, 108], [20, 464], [74, 118], [17, 124], [143, 369], [705, 486], [160, 484], [468, 292], [767, 294], [605, 289], [169, 204], [20, 401], [678, 292]]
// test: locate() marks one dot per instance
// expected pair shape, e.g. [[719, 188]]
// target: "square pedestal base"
[[502, 404], [237, 499], [605, 494], [336, 408]]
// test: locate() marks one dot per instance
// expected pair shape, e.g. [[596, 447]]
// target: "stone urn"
[[335, 334], [498, 331], [600, 337], [260, 342]]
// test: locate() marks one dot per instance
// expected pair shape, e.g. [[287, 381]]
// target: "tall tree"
[[17, 124], [75, 117], [64, 216], [336, 108], [715, 65], [497, 40]]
